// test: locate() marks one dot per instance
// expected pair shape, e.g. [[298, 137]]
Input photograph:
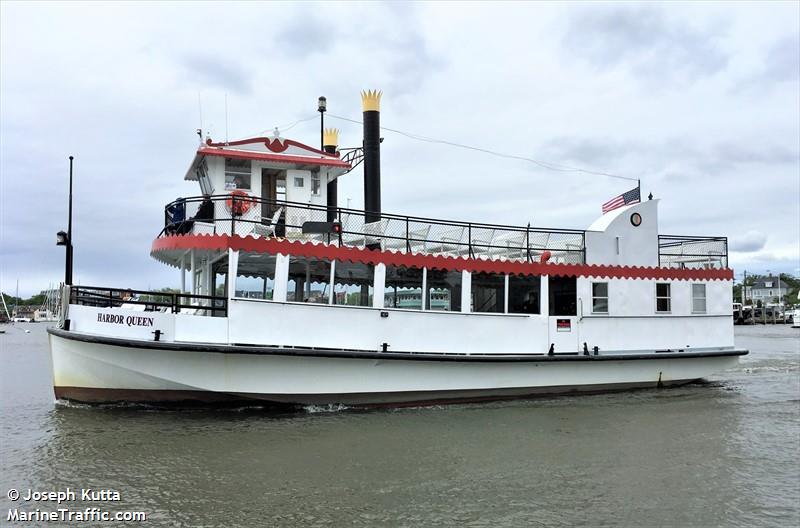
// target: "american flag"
[[630, 197]]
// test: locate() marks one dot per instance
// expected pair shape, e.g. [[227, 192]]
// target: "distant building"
[[767, 290]]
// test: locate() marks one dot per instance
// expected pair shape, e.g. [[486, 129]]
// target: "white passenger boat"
[[287, 298]]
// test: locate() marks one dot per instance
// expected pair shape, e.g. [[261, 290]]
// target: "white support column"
[[183, 274], [331, 293], [544, 302], [379, 287], [193, 271], [466, 290], [233, 267], [281, 278], [505, 295], [424, 297]]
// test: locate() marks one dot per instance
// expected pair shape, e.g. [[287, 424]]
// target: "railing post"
[[469, 239], [233, 214], [528, 243], [341, 226], [408, 242]]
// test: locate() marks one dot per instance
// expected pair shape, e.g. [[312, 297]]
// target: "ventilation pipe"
[[371, 106]]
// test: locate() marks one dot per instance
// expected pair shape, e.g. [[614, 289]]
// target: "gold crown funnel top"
[[330, 137], [371, 100]]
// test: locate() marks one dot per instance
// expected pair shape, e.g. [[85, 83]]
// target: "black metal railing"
[[152, 301], [692, 251], [249, 215]]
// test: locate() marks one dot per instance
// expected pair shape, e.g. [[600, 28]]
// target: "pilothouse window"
[[237, 174]]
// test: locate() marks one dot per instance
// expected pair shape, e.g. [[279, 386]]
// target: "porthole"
[[636, 219]]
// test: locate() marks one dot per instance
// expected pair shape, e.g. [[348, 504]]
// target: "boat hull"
[[93, 369]]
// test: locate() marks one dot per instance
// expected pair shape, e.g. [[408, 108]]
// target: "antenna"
[[200, 111], [226, 118]]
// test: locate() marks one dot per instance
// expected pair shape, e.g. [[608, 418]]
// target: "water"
[[722, 453]]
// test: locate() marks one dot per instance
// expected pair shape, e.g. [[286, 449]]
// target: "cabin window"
[[309, 280], [298, 181], [488, 292], [600, 297], [563, 296], [403, 288], [444, 290], [315, 183], [663, 297], [523, 294], [256, 276], [698, 298], [237, 174], [353, 283]]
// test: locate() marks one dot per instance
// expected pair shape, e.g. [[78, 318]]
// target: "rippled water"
[[721, 453]]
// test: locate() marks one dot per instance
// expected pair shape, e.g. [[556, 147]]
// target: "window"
[[488, 292], [256, 276], [444, 290], [600, 297], [309, 280], [298, 181], [563, 296], [403, 288], [663, 297], [353, 283], [237, 174], [523, 294], [698, 298], [315, 183]]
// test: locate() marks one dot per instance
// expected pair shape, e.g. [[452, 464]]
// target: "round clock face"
[[636, 219]]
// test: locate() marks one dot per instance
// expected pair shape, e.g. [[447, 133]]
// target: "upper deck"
[[252, 216]]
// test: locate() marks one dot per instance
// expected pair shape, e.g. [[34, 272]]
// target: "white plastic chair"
[[265, 230]]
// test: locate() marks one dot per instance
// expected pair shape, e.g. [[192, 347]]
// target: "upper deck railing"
[[692, 251], [257, 217]]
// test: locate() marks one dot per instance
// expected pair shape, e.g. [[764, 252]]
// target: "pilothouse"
[[288, 298]]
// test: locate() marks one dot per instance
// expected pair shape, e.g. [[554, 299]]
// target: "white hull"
[[102, 372]]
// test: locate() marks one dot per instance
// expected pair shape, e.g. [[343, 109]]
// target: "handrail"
[[104, 297], [237, 214]]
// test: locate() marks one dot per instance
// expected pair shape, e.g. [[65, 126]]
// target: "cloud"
[[749, 242], [782, 61], [645, 40], [222, 72]]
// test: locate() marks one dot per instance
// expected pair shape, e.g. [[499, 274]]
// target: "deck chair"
[[268, 230], [451, 240]]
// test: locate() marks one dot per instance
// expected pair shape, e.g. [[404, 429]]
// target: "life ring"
[[238, 202]]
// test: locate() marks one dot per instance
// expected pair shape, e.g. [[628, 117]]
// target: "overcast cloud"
[[700, 101]]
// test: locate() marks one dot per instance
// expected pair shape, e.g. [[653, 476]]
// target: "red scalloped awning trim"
[[366, 256]]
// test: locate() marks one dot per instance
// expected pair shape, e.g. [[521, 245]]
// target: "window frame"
[[705, 298], [596, 312], [316, 184], [668, 297]]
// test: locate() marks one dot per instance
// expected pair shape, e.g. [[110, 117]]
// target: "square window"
[[600, 297], [237, 174], [663, 297], [315, 184], [298, 181], [698, 298]]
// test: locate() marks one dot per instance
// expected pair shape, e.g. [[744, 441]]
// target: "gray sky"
[[700, 101]]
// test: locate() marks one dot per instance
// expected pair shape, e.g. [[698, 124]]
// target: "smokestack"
[[371, 105], [330, 140]]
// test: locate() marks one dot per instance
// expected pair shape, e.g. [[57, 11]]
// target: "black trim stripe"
[[374, 355]]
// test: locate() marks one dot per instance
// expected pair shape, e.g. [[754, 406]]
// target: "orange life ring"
[[238, 202]]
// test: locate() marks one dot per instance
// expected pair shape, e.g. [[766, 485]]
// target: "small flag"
[[630, 197]]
